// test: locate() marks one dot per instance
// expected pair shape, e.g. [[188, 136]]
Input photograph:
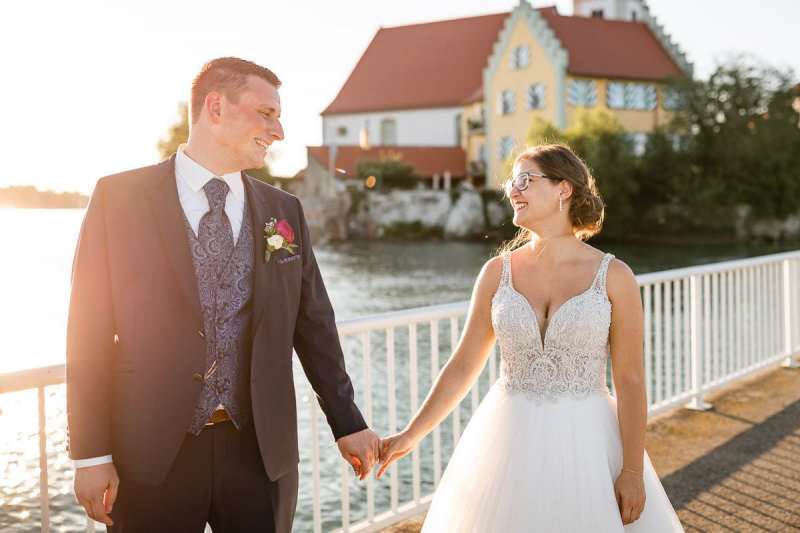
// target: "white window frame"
[[520, 57], [505, 102], [534, 96], [582, 93], [671, 99], [631, 95], [639, 141], [388, 132], [506, 147]]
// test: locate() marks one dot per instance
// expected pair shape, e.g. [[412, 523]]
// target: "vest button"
[[198, 377]]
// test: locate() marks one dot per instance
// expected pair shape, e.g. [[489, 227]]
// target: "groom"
[[192, 282]]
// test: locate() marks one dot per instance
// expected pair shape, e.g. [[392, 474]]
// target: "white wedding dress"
[[543, 450]]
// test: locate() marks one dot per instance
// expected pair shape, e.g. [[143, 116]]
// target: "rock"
[[498, 213], [466, 217], [429, 208]]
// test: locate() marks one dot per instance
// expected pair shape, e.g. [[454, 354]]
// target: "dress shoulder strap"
[[599, 282], [505, 275]]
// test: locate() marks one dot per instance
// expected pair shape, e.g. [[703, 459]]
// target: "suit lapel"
[[261, 208], [169, 218]]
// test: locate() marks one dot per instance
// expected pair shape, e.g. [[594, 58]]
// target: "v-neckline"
[[543, 336]]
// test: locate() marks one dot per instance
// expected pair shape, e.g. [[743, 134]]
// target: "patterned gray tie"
[[215, 234]]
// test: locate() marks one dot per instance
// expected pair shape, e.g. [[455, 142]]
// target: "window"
[[641, 96], [505, 102], [672, 99], [458, 129], [388, 132], [638, 142], [582, 93], [506, 147], [598, 13], [341, 131], [520, 57], [535, 96], [633, 16], [482, 153]]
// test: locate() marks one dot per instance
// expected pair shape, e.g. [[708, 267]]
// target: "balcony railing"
[[705, 327]]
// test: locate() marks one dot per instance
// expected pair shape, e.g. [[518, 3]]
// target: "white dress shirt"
[[190, 177]]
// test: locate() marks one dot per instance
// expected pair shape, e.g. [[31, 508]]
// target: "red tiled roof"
[[440, 64], [426, 160], [611, 48], [436, 64]]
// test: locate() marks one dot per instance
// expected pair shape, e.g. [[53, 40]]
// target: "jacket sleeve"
[[90, 337], [316, 341]]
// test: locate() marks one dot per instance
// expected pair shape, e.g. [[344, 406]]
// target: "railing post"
[[44, 493], [696, 403], [789, 362]]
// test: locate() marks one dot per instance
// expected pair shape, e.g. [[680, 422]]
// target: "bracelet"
[[631, 470]]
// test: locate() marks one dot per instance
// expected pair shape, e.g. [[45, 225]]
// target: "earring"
[[560, 203]]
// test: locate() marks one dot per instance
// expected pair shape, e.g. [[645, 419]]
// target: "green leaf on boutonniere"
[[267, 255]]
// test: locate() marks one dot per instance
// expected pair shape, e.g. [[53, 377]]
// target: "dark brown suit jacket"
[[135, 339]]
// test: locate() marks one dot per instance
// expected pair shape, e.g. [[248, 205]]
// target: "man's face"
[[248, 127]]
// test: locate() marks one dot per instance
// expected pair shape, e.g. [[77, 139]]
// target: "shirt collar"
[[196, 175]]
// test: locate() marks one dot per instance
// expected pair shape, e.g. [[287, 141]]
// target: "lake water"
[[362, 278]]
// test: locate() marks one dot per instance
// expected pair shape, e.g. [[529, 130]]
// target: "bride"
[[549, 449]]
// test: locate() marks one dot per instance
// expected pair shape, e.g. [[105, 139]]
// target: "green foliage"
[[177, 134], [390, 173], [599, 139], [411, 230], [744, 142], [734, 141], [543, 132]]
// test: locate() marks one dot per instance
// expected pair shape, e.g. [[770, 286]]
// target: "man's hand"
[[96, 490], [360, 450]]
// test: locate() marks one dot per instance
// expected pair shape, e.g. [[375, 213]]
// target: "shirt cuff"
[[92, 461]]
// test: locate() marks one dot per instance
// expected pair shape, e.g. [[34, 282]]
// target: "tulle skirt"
[[529, 466]]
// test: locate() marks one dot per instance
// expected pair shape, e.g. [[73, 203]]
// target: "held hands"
[[96, 490], [629, 491], [395, 447], [360, 450]]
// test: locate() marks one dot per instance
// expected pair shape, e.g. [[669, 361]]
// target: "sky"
[[90, 86]]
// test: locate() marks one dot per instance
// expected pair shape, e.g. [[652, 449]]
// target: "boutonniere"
[[278, 235]]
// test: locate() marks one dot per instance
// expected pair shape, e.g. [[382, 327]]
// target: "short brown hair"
[[586, 206], [227, 75]]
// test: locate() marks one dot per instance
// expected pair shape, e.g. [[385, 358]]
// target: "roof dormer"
[[631, 10]]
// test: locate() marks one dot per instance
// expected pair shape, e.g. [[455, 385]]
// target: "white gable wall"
[[417, 127]]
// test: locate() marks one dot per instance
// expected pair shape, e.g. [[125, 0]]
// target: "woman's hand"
[[395, 447], [629, 491]]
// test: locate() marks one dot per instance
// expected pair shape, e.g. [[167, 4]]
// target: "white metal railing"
[[705, 327]]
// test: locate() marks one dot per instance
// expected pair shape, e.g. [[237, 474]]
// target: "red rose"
[[285, 230]]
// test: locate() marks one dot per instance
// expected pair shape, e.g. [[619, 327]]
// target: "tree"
[[177, 134], [389, 172], [744, 142], [599, 139]]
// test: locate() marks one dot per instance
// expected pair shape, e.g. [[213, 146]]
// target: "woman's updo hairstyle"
[[586, 206]]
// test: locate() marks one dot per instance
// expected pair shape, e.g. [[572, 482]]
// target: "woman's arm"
[[626, 340], [460, 372]]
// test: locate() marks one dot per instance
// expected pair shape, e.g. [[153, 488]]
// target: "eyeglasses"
[[522, 180]]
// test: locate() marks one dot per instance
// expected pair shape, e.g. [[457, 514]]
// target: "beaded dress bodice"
[[570, 358]]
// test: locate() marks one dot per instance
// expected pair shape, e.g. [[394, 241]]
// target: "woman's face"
[[537, 202]]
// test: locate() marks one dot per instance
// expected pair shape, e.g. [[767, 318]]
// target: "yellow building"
[[477, 82]]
